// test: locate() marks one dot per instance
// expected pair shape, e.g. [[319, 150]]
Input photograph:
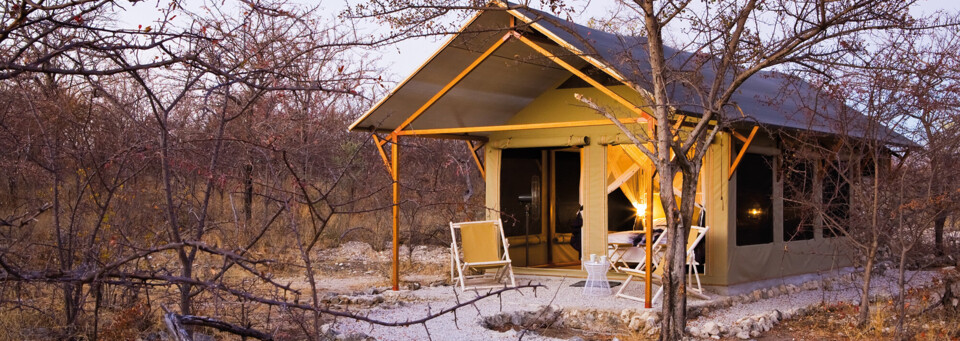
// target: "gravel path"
[[445, 328]]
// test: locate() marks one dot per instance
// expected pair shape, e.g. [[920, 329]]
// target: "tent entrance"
[[553, 176]]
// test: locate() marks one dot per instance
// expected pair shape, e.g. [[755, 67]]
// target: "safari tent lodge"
[[505, 86]]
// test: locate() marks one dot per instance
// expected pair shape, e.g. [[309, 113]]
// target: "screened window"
[[567, 172], [797, 192], [836, 200], [754, 200], [519, 168]]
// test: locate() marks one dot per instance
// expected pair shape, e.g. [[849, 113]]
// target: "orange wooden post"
[[597, 85], [476, 158], [746, 144], [514, 127], [395, 174], [451, 84]]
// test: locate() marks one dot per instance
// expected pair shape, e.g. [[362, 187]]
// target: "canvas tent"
[[505, 86]]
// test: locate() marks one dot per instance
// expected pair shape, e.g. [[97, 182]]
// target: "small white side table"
[[597, 284]]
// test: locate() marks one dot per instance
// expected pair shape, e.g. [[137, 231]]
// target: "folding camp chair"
[[483, 246], [695, 237]]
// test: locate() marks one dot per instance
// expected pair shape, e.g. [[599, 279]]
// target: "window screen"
[[836, 199], [754, 200], [518, 168], [567, 185], [797, 191]]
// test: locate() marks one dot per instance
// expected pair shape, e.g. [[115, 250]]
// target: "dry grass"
[[126, 315], [838, 322]]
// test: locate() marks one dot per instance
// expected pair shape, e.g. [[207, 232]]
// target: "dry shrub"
[[130, 322]]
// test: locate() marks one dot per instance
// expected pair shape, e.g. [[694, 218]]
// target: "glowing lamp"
[[641, 208]]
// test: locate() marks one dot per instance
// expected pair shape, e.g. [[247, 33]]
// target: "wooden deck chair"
[[483, 246], [694, 238]]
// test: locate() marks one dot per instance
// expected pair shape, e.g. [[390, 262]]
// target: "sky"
[[400, 59]]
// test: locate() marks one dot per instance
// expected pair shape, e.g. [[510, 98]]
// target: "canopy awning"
[[501, 85]]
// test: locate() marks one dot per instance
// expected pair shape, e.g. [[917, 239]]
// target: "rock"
[[711, 328], [354, 337], [793, 289], [576, 338], [626, 315], [203, 337], [743, 335], [634, 323], [694, 331], [763, 324], [651, 323], [327, 328]]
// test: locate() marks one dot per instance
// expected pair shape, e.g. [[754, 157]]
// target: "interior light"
[[641, 208]]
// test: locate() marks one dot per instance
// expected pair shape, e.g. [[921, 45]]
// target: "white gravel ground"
[[468, 319], [468, 327]]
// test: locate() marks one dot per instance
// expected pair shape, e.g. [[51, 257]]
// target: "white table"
[[597, 284]]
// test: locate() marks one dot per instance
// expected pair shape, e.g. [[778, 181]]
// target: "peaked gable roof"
[[490, 96]]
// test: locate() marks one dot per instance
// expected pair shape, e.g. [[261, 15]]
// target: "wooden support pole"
[[451, 84], [902, 160], [512, 127], [746, 144], [476, 158], [648, 260], [583, 76], [395, 174], [739, 136], [383, 154]]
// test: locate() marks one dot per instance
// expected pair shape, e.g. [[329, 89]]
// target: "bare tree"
[[739, 40], [736, 40], [127, 148]]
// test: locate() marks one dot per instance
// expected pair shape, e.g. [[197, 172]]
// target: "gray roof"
[[769, 98]]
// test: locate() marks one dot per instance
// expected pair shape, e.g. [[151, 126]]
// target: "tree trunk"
[[674, 288], [901, 299], [679, 220], [247, 192], [864, 317], [872, 248], [938, 233]]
